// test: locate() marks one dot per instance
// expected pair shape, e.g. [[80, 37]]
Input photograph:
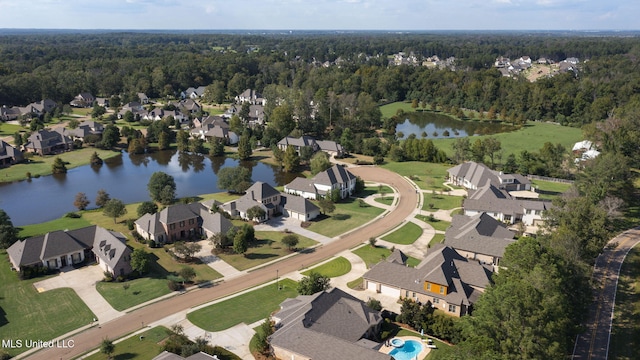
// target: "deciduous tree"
[[290, 241], [234, 179], [81, 201], [162, 187], [147, 207], [139, 260], [313, 283], [8, 233], [101, 198], [114, 208]]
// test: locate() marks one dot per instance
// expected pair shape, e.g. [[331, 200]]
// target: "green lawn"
[[441, 202], [549, 189], [39, 165], [134, 348], [388, 200], [440, 225], [625, 333], [246, 308], [391, 109], [405, 235], [53, 225], [9, 129], [428, 176], [373, 255], [348, 216], [334, 268], [269, 247], [355, 284], [27, 314], [140, 291], [531, 138], [437, 238]]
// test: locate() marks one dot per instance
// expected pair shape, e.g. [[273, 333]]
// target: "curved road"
[[131, 322], [594, 343]]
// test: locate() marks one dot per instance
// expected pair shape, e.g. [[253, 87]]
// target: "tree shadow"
[[253, 256], [341, 216], [125, 356]]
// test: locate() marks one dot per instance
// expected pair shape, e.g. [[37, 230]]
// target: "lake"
[[435, 125], [124, 177]]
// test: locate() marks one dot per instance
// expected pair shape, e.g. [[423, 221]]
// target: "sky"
[[322, 14]]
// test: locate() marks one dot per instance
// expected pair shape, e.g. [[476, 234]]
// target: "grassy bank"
[[625, 333]]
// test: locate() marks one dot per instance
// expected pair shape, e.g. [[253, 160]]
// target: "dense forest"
[[59, 66]]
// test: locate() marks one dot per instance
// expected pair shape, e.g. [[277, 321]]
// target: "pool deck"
[[425, 350]]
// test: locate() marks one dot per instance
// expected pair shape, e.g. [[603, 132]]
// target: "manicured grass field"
[[355, 284], [53, 225], [269, 247], [437, 224], [9, 129], [135, 348], [334, 268], [387, 200], [441, 202], [347, 216], [140, 291], [405, 235], [550, 189], [427, 176], [437, 238], [27, 314], [391, 109], [39, 166], [373, 255], [531, 138], [625, 333], [246, 308]]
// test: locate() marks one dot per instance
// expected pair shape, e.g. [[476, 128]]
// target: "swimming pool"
[[409, 351]]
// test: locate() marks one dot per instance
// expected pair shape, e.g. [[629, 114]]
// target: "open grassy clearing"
[[405, 235], [246, 308], [531, 138], [268, 247], [145, 346], [62, 223], [27, 314], [549, 189], [625, 333], [440, 225], [139, 291], [347, 216], [441, 202], [373, 255], [428, 176], [40, 166], [334, 268]]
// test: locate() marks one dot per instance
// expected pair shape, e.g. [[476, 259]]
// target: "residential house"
[[472, 175], [101, 101], [444, 278], [256, 115], [9, 155], [9, 113], [335, 178], [210, 120], [327, 325], [143, 98], [188, 106], [134, 107], [45, 142], [252, 97], [272, 202], [210, 131], [58, 249], [159, 114], [182, 221], [330, 147], [88, 127], [193, 93], [165, 355], [479, 237], [584, 150], [500, 205], [83, 100]]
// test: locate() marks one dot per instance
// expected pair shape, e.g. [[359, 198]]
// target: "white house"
[[335, 178]]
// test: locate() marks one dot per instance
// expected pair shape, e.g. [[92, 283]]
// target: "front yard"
[[139, 291], [441, 202], [405, 235], [334, 268], [27, 314], [347, 216], [428, 176], [246, 308], [146, 346], [373, 255]]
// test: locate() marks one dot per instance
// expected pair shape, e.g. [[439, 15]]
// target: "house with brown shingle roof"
[[326, 325], [479, 237], [58, 249], [444, 278], [182, 221]]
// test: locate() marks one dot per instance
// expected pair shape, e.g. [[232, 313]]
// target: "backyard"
[[246, 308], [27, 314], [428, 176]]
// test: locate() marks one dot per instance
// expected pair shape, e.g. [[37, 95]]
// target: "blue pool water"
[[409, 351]]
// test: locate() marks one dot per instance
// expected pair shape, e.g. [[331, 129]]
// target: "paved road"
[[133, 321], [594, 343]]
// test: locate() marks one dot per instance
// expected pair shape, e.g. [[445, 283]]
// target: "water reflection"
[[436, 126]]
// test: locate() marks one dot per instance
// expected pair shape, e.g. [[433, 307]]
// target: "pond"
[[437, 126], [124, 177]]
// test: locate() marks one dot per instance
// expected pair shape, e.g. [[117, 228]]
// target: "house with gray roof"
[[330, 147], [446, 279], [165, 355], [472, 175], [144, 99], [252, 97], [272, 202], [9, 155], [500, 205], [336, 177], [193, 93], [45, 142], [182, 221], [326, 325], [9, 113], [479, 237], [209, 131], [58, 249], [83, 100]]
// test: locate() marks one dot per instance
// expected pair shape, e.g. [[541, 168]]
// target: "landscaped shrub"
[[108, 277], [120, 278], [30, 272], [72, 215], [174, 286], [28, 175], [130, 224]]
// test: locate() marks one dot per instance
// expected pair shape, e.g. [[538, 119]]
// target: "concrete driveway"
[[83, 282]]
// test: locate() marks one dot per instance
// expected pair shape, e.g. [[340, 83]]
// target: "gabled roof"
[[216, 223], [175, 213], [480, 234], [328, 145], [47, 138], [397, 257], [299, 142], [334, 175], [326, 325], [489, 198], [8, 151], [260, 190], [299, 204], [478, 174], [302, 184]]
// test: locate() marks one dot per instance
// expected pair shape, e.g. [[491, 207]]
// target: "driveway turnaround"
[[83, 282], [131, 322], [594, 343]]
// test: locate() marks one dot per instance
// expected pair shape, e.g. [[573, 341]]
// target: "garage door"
[[387, 290], [372, 286]]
